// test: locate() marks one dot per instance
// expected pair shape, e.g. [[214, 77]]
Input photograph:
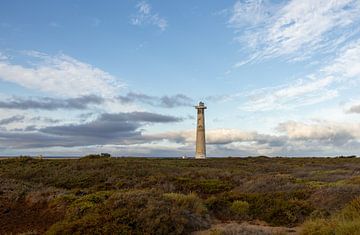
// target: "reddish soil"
[[20, 218]]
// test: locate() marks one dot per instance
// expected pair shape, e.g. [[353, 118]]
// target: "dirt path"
[[245, 228]]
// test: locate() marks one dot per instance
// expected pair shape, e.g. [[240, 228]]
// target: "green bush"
[[189, 202], [85, 204], [351, 211], [219, 206], [97, 156], [274, 208], [317, 227], [202, 186], [212, 186], [240, 208], [136, 212], [278, 208]]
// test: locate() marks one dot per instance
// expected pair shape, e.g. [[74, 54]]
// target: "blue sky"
[[278, 77]]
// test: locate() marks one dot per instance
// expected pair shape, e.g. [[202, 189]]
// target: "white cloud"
[[342, 72], [250, 12], [60, 75], [321, 137], [301, 93], [3, 56], [213, 136], [295, 29], [320, 130], [347, 64], [145, 16], [314, 138]]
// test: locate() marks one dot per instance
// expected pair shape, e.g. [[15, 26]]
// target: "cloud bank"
[[163, 101], [317, 138], [48, 103], [12, 119], [59, 75], [114, 128], [293, 29], [340, 73]]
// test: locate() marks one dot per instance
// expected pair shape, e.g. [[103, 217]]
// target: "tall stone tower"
[[200, 152]]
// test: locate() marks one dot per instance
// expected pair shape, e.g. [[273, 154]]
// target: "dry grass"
[[172, 195]]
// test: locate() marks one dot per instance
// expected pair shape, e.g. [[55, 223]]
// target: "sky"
[[279, 77]]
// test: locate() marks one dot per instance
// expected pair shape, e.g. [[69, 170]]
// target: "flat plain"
[[253, 195]]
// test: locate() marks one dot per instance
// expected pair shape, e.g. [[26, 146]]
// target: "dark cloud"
[[354, 109], [47, 103], [97, 128], [139, 117], [45, 119], [111, 125], [31, 128], [175, 101], [16, 118], [132, 97], [271, 140], [119, 128], [34, 139], [164, 101], [86, 115]]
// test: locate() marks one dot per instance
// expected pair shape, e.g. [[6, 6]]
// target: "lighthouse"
[[200, 152]]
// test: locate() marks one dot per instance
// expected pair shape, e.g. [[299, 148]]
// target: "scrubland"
[[100, 195]]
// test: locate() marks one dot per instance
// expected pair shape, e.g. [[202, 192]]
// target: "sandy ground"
[[245, 228]]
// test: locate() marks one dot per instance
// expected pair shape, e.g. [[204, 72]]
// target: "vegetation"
[[98, 194], [347, 221]]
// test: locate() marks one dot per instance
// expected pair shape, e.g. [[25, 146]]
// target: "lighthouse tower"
[[200, 152]]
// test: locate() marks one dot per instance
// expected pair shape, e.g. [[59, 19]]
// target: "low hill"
[[104, 195]]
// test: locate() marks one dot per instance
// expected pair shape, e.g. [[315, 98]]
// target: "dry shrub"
[[14, 190], [187, 201], [202, 186], [280, 208], [331, 175], [133, 212], [269, 183], [42, 195], [346, 221], [331, 199], [154, 195], [317, 227]]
